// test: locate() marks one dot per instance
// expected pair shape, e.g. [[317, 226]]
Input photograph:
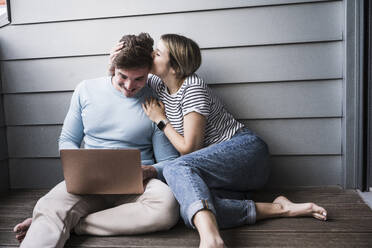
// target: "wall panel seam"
[[217, 85], [294, 43], [240, 120]]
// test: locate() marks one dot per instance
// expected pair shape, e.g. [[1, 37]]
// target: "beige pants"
[[59, 212]]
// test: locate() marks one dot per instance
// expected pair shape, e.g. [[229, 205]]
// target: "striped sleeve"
[[154, 82], [196, 99]]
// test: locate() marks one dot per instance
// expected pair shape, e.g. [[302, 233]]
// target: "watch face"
[[161, 125]]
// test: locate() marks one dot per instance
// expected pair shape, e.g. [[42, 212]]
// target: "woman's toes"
[[319, 212], [319, 216]]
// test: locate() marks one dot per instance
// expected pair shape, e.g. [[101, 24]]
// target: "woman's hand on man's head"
[[113, 53]]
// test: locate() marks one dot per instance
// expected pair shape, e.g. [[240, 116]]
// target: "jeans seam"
[[201, 200]]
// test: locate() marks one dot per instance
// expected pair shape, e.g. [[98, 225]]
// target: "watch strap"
[[161, 124]]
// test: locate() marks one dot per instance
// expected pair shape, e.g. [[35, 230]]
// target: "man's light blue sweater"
[[105, 118]]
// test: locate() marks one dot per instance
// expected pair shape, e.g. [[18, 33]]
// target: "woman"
[[221, 158]]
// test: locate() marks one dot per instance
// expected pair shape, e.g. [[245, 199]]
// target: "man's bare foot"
[[301, 209], [21, 229]]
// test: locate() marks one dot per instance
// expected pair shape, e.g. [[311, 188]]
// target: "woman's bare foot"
[[206, 224], [213, 243], [21, 229], [301, 209]]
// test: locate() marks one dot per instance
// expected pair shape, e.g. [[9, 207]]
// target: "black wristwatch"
[[161, 124]]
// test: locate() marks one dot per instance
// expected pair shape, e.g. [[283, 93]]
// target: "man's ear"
[[112, 70]]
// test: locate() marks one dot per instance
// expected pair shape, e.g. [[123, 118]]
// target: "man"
[[107, 113]]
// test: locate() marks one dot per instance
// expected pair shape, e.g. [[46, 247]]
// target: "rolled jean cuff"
[[196, 207], [251, 213]]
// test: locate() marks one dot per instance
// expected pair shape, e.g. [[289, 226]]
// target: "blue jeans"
[[218, 176]]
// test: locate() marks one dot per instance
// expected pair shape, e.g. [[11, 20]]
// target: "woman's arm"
[[193, 127], [115, 51], [193, 131]]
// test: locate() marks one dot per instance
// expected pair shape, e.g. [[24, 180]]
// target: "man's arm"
[[163, 151], [72, 130]]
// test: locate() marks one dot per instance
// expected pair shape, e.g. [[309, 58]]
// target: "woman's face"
[[161, 67]]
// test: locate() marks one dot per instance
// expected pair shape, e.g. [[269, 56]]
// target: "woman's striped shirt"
[[195, 96]]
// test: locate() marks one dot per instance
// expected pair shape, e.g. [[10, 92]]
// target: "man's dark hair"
[[136, 52]]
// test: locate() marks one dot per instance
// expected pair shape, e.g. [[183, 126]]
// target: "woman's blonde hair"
[[184, 54]]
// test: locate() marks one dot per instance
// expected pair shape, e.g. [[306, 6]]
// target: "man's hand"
[[148, 172]]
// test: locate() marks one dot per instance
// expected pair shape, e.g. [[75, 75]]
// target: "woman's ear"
[[173, 71]]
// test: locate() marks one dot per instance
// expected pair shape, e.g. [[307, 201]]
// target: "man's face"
[[131, 81]]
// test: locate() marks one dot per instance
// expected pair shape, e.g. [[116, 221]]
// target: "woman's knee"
[[179, 170]]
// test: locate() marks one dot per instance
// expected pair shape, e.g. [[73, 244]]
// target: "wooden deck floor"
[[349, 224]]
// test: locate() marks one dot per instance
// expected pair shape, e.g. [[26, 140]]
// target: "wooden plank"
[[327, 196], [298, 136], [273, 239], [250, 101], [298, 196], [39, 173], [86, 9], [22, 211], [311, 225], [46, 74], [220, 66], [282, 100], [284, 137], [33, 141], [39, 108], [8, 223], [349, 225], [25, 200], [286, 172], [273, 63], [25, 193], [290, 171], [22, 208], [218, 28], [183, 237], [232, 238]]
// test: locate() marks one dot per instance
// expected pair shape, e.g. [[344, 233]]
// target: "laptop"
[[102, 171]]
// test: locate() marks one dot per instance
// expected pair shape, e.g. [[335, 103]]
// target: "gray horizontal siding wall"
[[277, 66]]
